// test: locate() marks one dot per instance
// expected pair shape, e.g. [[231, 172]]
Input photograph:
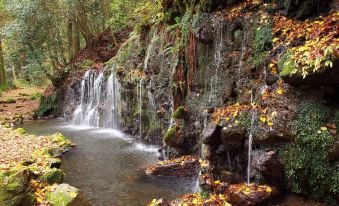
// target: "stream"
[[107, 166]]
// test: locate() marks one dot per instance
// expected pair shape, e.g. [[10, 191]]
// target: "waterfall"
[[217, 60], [112, 101], [140, 103], [99, 104], [250, 142], [243, 50]]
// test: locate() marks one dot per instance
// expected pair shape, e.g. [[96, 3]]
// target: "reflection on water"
[[107, 166]]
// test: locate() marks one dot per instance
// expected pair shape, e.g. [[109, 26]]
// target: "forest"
[[169, 102]]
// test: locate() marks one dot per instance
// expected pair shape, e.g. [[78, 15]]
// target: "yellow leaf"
[[323, 128], [217, 182], [227, 204], [269, 123], [39, 200], [280, 91], [275, 40], [268, 189], [195, 201], [271, 65], [263, 118]]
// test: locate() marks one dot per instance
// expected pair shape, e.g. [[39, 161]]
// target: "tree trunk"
[[75, 38], [3, 81], [70, 39]]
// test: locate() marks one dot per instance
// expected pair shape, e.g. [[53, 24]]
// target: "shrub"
[[308, 168]]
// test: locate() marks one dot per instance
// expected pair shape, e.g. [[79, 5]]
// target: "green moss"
[[308, 169], [170, 134], [21, 130], [262, 41], [180, 113], [49, 105], [59, 198], [9, 101], [54, 176], [204, 194], [6, 125], [35, 96], [244, 119], [15, 192]]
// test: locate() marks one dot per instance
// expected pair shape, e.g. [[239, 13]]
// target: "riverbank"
[[18, 105], [29, 170]]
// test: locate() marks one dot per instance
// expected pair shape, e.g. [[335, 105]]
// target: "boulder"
[[66, 195], [53, 176], [249, 195], [232, 137], [14, 189], [186, 166], [210, 134], [268, 164]]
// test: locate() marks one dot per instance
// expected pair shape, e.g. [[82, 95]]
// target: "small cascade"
[[196, 188], [99, 101], [217, 60], [250, 142], [112, 101], [152, 108], [243, 50], [149, 50], [140, 103]]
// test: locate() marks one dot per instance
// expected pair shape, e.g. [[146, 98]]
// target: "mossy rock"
[[54, 176], [49, 105], [66, 195], [6, 125], [180, 113], [21, 131], [55, 152], [14, 190], [9, 101], [61, 139], [170, 135], [54, 162]]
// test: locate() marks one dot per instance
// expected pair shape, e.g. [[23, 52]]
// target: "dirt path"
[[19, 102]]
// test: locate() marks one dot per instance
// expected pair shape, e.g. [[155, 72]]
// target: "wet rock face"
[[210, 134], [268, 164], [232, 137]]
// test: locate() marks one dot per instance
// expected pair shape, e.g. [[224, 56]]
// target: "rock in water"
[[66, 195], [186, 166]]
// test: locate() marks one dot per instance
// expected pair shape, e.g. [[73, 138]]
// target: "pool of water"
[[107, 166]]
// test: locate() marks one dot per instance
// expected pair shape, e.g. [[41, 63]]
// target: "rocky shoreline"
[[30, 170]]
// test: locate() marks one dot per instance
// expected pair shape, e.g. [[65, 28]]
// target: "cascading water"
[[217, 60], [99, 101], [113, 102], [243, 50], [250, 142], [140, 103]]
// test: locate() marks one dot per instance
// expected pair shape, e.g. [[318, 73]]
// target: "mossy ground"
[[26, 172]]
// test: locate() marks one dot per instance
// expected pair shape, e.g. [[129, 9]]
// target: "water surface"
[[107, 166]]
